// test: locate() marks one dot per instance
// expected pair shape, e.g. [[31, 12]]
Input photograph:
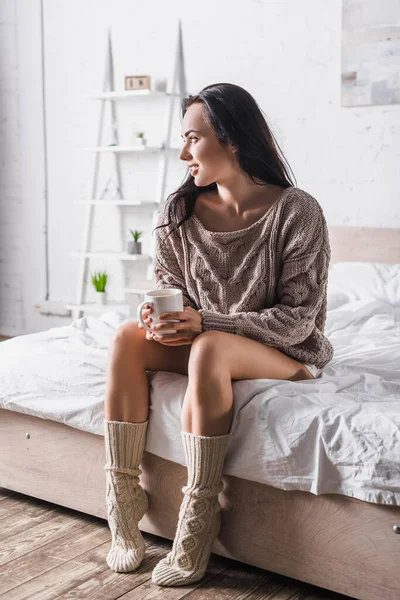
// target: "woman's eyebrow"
[[188, 131]]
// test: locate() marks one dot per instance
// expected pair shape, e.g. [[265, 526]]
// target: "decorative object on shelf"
[[160, 85], [140, 139], [109, 192], [99, 280], [114, 132], [135, 247], [137, 82]]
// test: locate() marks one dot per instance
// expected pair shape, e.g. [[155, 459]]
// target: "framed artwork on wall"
[[370, 52]]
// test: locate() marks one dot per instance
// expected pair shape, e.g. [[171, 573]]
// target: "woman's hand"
[[146, 310], [188, 328]]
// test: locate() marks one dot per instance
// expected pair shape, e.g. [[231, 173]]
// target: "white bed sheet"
[[337, 434]]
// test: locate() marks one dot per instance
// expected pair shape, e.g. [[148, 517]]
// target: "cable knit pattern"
[[199, 515], [126, 500], [267, 282]]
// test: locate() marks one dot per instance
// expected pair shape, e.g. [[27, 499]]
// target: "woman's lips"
[[193, 170]]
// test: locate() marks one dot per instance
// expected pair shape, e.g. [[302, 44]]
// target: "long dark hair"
[[235, 118]]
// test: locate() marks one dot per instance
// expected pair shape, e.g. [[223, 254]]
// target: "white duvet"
[[337, 434]]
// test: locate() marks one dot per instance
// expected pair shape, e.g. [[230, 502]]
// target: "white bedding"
[[337, 434]]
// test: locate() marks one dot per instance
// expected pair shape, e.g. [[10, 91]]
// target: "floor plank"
[[37, 535], [109, 585], [50, 552], [5, 493], [24, 519]]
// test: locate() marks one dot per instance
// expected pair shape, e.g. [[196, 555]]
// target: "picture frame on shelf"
[[137, 82]]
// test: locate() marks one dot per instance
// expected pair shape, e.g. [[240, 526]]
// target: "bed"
[[313, 493]]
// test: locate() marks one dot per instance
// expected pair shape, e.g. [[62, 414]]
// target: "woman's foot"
[[199, 515], [126, 506], [198, 526], [127, 501]]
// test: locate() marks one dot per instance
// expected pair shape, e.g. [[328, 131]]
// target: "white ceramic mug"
[[161, 301]]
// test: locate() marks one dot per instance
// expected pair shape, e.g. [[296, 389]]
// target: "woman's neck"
[[240, 195]]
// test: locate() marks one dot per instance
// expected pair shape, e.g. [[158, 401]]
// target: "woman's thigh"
[[246, 358], [152, 355]]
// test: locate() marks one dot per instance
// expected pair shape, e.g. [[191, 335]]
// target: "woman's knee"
[[206, 352], [127, 332], [127, 337]]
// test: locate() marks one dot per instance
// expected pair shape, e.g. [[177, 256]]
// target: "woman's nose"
[[185, 155]]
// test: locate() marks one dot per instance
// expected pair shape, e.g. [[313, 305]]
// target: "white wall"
[[287, 54]]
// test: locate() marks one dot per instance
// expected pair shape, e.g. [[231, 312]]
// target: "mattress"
[[339, 433]]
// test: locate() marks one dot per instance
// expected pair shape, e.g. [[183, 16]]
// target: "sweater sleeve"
[[300, 290], [168, 259]]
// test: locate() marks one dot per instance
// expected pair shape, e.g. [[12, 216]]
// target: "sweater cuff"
[[217, 321]]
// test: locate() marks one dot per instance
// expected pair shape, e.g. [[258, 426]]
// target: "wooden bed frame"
[[332, 541]]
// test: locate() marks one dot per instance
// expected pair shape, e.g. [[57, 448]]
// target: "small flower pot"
[[101, 297], [140, 142], [134, 247]]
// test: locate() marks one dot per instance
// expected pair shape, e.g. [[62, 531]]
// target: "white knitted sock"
[[126, 500], [199, 516]]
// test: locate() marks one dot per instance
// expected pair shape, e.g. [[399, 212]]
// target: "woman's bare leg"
[[127, 387], [217, 358]]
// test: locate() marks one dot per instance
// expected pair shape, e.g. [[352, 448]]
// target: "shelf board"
[[125, 94], [142, 149], [136, 290], [116, 255], [140, 287], [94, 307], [119, 203], [145, 149]]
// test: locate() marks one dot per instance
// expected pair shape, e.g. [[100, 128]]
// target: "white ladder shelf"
[[176, 88]]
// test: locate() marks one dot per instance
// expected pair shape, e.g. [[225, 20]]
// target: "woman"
[[250, 253]]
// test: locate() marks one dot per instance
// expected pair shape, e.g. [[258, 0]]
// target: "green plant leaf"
[[136, 234], [99, 280]]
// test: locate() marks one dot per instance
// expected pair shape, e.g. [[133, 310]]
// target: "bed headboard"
[[364, 244]]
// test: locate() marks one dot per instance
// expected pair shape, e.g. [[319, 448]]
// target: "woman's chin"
[[201, 182]]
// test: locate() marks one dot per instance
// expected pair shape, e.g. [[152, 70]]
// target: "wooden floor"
[[48, 551]]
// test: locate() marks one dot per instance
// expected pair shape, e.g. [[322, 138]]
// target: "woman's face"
[[213, 162]]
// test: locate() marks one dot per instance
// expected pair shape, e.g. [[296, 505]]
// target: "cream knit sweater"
[[266, 282]]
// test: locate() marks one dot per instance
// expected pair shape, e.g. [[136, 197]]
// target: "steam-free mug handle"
[[139, 314]]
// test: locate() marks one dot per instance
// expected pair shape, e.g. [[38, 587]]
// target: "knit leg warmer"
[[126, 500], [199, 516]]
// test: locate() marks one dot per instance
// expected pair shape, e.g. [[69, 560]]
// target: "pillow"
[[352, 281]]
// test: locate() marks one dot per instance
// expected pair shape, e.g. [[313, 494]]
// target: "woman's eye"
[[193, 138]]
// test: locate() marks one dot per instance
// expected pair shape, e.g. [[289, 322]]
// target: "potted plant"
[[134, 246], [99, 281], [140, 139]]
